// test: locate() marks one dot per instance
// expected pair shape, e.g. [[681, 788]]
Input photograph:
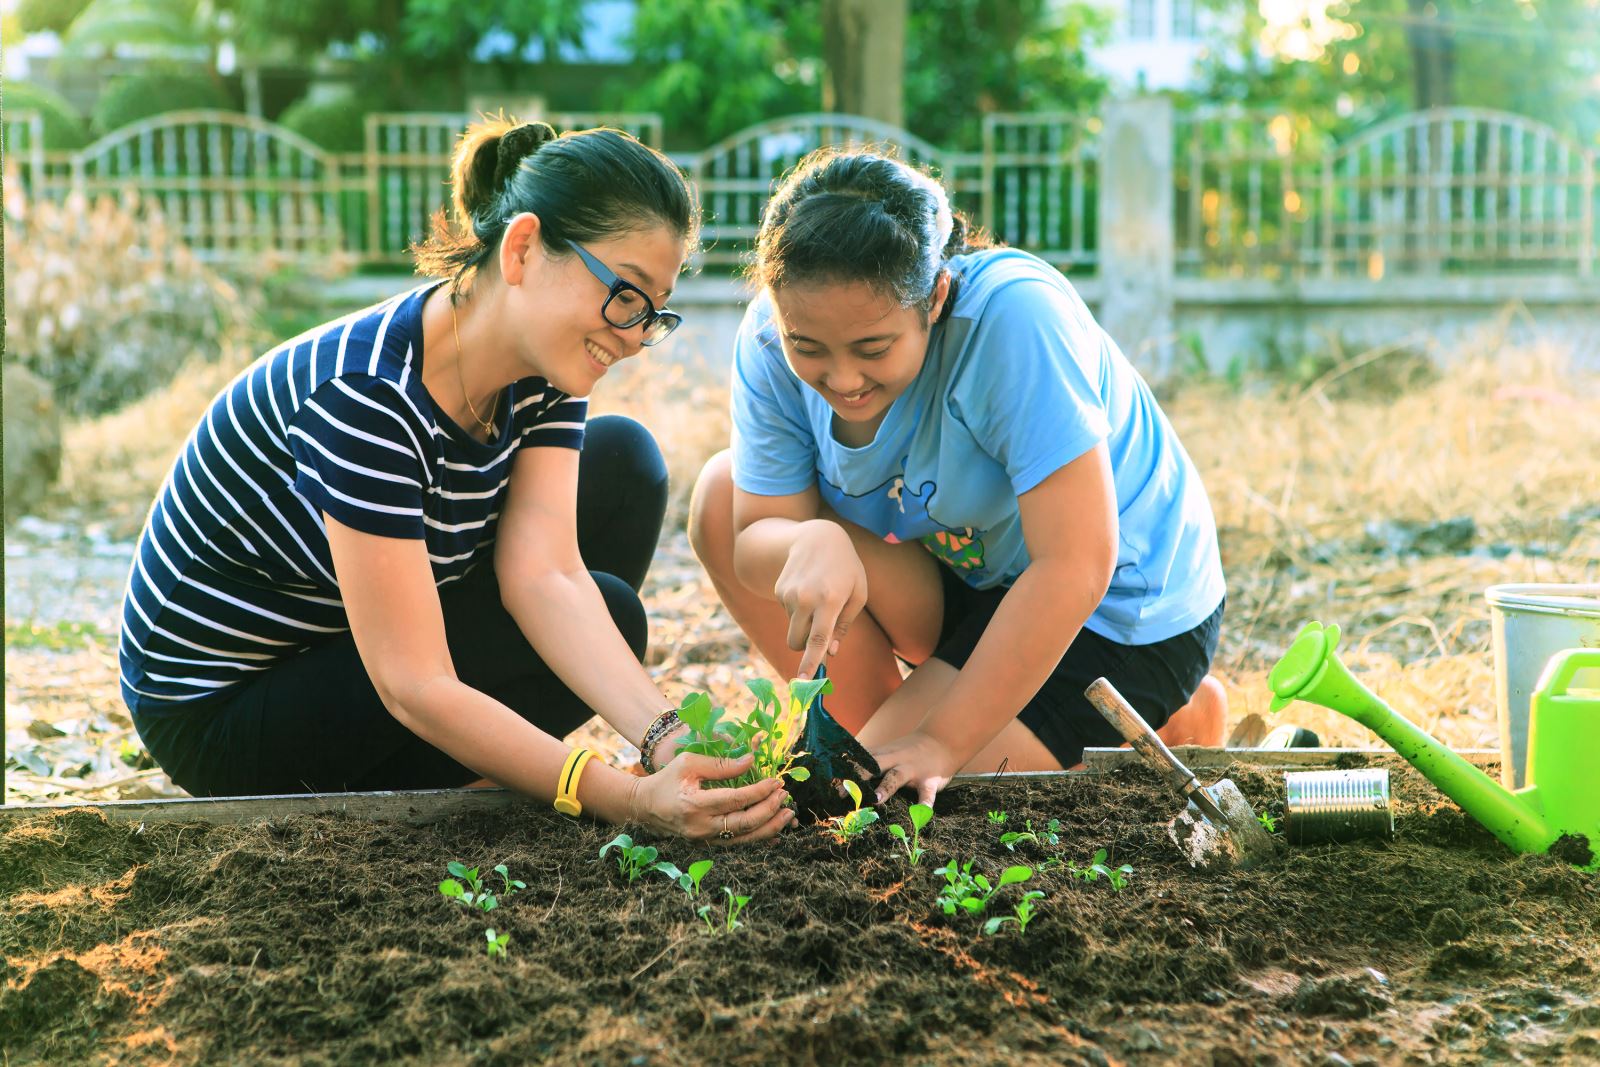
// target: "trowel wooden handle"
[[1131, 725]]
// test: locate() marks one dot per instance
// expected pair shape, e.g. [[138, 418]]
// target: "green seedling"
[[688, 881], [965, 891], [1050, 835], [473, 894], [1267, 822], [769, 731], [513, 885], [1118, 876], [852, 824], [730, 921], [998, 818], [496, 942], [1021, 914], [632, 860], [920, 814]]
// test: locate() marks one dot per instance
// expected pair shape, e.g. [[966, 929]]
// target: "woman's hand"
[[672, 801], [823, 587], [917, 760]]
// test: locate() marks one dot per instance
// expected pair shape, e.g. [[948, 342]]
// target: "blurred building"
[[1154, 44]]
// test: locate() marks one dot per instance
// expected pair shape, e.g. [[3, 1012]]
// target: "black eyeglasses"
[[627, 305]]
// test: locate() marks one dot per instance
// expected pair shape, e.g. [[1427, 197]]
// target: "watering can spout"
[[1311, 671]]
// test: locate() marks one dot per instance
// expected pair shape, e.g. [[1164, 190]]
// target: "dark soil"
[[325, 940]]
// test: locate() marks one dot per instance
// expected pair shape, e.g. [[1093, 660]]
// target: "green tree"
[[966, 58], [1383, 57], [717, 66], [412, 46], [48, 16]]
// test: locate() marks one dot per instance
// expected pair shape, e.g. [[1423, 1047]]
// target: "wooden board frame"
[[420, 807]]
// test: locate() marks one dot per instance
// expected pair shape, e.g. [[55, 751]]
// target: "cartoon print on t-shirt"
[[961, 550], [904, 514]]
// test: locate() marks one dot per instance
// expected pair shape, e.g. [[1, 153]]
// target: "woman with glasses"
[[941, 461], [394, 553]]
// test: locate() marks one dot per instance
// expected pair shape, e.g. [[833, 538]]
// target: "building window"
[[1183, 23], [1141, 19]]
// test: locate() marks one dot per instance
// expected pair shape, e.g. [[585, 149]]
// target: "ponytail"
[[587, 185]]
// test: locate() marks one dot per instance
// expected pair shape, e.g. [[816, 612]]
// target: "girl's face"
[[555, 302], [855, 345]]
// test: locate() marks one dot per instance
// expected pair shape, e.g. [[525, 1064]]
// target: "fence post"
[[1137, 232]]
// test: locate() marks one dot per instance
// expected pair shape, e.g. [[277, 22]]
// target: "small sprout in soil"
[[970, 892], [512, 884], [1050, 835], [730, 921], [920, 814], [1268, 822], [688, 881], [769, 731], [473, 894], [997, 817], [496, 943], [632, 860], [1118, 877], [853, 824], [1021, 914]]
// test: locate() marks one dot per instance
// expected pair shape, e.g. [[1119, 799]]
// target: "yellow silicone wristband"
[[566, 801]]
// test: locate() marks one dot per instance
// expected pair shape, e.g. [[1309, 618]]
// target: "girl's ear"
[[941, 292], [518, 245]]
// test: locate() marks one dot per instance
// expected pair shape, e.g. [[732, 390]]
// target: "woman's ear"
[[518, 245], [941, 292]]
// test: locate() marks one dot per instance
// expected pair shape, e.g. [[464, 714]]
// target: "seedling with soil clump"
[[797, 740]]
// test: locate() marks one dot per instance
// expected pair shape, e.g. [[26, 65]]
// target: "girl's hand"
[[917, 760], [672, 801], [823, 587]]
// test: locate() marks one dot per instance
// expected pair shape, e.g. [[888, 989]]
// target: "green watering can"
[[1562, 797]]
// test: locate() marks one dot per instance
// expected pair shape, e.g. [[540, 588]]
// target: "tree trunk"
[[863, 42]]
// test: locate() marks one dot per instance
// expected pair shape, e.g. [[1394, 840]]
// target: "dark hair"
[[585, 185], [861, 215]]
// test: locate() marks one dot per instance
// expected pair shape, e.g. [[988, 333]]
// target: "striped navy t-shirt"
[[233, 573]]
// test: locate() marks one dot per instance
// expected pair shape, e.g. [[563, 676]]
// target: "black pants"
[[1157, 679], [314, 723]]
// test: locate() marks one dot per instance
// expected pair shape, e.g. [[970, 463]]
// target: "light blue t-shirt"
[[1019, 381]]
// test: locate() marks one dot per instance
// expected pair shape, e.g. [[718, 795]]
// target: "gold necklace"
[[486, 424]]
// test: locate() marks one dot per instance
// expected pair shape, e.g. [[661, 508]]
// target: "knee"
[[627, 611], [711, 514], [622, 455]]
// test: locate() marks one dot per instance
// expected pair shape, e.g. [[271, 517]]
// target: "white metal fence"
[[1257, 194]]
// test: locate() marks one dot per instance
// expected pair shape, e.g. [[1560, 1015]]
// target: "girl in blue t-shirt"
[[395, 554], [939, 459]]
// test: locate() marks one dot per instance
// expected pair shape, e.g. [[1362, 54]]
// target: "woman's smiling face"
[[855, 345], [559, 325]]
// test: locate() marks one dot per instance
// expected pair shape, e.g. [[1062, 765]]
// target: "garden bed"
[[324, 938]]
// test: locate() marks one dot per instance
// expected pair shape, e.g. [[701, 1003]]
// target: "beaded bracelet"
[[663, 725]]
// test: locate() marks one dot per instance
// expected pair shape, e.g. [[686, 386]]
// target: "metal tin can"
[[1337, 806]]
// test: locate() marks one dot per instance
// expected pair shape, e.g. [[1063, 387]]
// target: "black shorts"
[[1157, 679]]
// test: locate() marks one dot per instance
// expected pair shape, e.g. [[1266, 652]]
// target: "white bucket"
[[1531, 623]]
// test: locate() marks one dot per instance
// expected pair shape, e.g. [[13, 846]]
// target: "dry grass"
[[1505, 438]]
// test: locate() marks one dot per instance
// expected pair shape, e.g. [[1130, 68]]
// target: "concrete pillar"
[[1137, 235]]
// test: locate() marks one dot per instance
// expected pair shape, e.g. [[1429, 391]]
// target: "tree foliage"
[[1539, 58], [966, 58], [717, 66], [48, 16]]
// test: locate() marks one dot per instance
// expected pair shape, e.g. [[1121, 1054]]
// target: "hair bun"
[[516, 144]]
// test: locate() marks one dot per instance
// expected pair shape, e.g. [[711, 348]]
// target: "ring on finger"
[[725, 834]]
